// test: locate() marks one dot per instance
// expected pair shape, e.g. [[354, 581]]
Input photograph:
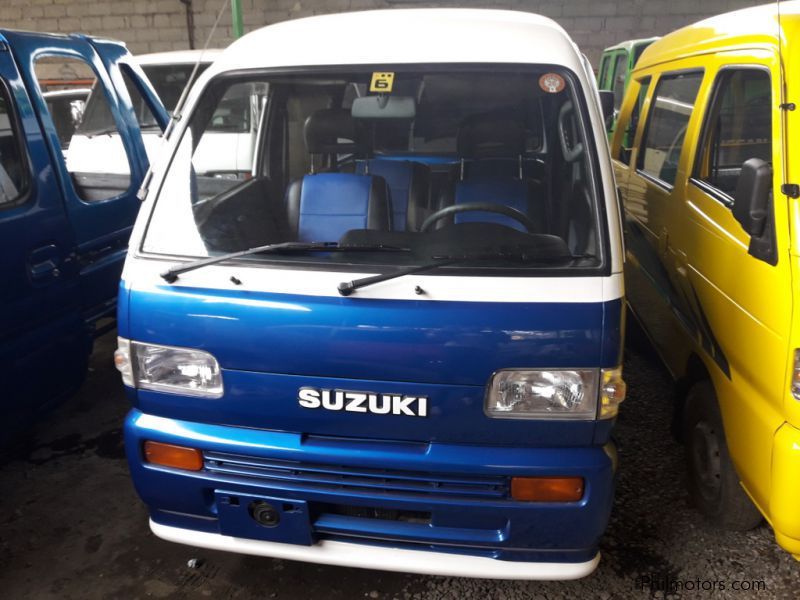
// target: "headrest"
[[491, 136], [330, 131]]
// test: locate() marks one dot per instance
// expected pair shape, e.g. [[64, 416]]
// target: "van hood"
[[270, 346]]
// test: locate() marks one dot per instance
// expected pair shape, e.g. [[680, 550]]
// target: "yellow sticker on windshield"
[[381, 82]]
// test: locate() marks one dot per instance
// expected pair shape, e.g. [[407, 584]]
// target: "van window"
[[169, 80], [452, 161], [620, 74], [13, 182], [95, 154], [738, 128], [632, 124], [604, 71], [637, 52], [665, 129], [144, 115]]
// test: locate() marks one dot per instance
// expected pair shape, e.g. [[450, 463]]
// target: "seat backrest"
[[325, 206], [329, 133], [322, 207], [409, 187], [491, 149]]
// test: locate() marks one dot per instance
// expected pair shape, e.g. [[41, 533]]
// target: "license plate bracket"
[[270, 518]]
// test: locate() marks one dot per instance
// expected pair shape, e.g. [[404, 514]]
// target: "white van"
[[396, 342], [231, 133]]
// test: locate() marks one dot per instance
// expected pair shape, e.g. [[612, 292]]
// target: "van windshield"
[[491, 163]]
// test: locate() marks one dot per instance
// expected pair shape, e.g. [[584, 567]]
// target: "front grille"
[[356, 479]]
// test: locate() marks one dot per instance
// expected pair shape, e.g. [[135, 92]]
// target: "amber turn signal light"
[[175, 457], [547, 489]]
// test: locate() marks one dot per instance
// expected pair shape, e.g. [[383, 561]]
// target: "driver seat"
[[491, 149], [324, 206]]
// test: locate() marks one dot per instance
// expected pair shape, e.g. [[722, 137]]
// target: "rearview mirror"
[[384, 107], [752, 208], [607, 104]]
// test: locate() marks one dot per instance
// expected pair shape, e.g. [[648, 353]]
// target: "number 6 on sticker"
[[381, 82]]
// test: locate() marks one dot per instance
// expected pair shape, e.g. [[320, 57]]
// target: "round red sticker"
[[552, 83]]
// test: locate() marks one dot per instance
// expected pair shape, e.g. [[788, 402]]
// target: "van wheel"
[[713, 483]]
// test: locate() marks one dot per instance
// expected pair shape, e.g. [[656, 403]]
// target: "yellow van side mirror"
[[752, 208]]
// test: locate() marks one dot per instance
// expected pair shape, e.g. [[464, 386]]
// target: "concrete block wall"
[[158, 25]]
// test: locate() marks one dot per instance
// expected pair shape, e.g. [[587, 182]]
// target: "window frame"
[[705, 130], [605, 62], [18, 131], [622, 54], [644, 82], [653, 95], [120, 126]]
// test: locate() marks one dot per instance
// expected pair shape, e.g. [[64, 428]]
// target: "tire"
[[714, 487]]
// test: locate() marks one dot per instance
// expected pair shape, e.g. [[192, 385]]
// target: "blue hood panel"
[[455, 343]]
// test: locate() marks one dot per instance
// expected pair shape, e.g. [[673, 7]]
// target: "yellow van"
[[707, 157]]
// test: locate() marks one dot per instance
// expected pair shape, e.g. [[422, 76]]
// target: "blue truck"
[[392, 338], [63, 232]]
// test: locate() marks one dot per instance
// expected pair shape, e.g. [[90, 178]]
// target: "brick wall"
[[156, 25]]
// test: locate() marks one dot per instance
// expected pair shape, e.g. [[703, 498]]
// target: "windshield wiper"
[[171, 274], [348, 287]]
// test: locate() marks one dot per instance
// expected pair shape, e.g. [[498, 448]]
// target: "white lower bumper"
[[387, 559]]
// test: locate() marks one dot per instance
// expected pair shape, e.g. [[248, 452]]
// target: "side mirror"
[[752, 208], [751, 200], [607, 104]]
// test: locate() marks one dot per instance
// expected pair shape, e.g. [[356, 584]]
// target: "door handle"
[[43, 263]]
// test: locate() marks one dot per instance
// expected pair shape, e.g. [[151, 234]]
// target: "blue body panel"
[[454, 343], [270, 345], [61, 256]]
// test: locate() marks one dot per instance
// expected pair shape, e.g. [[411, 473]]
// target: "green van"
[[616, 64]]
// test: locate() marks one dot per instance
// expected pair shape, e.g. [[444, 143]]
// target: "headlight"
[[555, 394], [168, 369], [552, 394]]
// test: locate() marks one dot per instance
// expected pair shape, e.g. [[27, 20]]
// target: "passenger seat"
[[409, 181], [322, 207], [409, 186]]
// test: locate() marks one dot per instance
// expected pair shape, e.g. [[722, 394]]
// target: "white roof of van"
[[178, 57], [395, 36]]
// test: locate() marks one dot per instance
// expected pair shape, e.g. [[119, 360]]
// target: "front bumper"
[[415, 507], [346, 554]]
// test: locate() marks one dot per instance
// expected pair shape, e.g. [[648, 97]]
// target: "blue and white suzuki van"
[[394, 340]]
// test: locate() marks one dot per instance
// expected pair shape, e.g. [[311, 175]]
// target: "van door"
[[743, 302], [41, 330], [653, 193], [101, 167]]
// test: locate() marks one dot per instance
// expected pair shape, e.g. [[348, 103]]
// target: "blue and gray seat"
[[323, 206], [491, 151]]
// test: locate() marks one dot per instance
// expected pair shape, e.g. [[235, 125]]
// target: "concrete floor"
[[71, 525]]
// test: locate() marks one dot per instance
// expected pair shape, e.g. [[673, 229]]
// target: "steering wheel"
[[571, 154], [500, 209]]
